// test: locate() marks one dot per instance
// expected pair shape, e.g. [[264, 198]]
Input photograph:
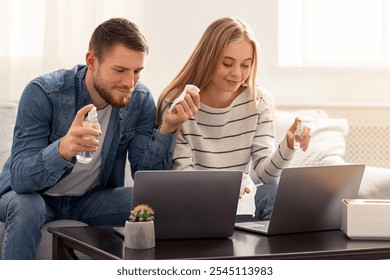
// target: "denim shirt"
[[46, 111]]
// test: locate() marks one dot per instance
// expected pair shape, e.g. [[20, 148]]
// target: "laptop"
[[309, 199], [190, 204]]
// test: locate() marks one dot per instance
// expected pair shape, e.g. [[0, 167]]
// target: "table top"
[[106, 243]]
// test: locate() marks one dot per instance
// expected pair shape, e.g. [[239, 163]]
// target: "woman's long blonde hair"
[[200, 67]]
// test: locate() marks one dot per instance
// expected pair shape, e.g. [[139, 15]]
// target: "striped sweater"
[[239, 137]]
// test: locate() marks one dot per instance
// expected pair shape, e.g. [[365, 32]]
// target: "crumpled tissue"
[[246, 203], [183, 95]]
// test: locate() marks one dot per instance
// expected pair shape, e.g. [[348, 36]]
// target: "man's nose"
[[129, 80]]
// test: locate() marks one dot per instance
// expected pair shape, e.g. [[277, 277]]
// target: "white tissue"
[[246, 204], [182, 95]]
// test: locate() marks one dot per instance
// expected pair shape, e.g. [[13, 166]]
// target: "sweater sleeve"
[[268, 160], [183, 157]]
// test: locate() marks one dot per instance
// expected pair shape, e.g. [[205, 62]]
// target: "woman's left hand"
[[305, 137]]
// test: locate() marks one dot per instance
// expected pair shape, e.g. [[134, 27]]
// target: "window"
[[22, 28], [334, 33]]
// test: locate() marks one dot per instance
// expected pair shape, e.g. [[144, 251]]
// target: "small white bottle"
[[297, 136], [92, 118]]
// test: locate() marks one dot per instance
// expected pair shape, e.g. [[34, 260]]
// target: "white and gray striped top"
[[238, 137]]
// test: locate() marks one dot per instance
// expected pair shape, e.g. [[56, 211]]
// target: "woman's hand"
[[182, 112], [305, 136]]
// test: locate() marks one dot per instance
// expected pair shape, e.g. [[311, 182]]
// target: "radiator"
[[368, 144]]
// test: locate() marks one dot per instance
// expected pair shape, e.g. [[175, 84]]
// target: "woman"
[[234, 127]]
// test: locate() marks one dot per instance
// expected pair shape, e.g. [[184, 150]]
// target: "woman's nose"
[[236, 71]]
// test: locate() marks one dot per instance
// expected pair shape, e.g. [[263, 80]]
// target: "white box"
[[366, 218]]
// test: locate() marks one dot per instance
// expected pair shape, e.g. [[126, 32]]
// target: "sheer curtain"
[[40, 36]]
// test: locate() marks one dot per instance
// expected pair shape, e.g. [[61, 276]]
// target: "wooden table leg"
[[62, 252]]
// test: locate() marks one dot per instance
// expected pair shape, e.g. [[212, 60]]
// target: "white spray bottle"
[[92, 118]]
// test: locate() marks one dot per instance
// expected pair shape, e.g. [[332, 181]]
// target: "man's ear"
[[90, 60]]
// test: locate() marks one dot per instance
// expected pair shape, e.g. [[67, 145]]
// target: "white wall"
[[178, 26], [173, 27]]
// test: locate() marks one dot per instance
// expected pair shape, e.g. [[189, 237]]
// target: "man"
[[42, 181]]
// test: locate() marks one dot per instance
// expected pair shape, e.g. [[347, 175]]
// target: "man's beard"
[[105, 94]]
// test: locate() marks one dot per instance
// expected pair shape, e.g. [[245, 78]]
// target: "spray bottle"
[[297, 136], [92, 119]]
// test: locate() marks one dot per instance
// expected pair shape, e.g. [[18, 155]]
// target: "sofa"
[[327, 147], [7, 121]]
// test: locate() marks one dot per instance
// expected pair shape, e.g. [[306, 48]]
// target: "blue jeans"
[[264, 200], [25, 214]]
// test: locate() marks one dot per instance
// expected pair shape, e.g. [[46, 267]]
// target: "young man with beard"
[[42, 180]]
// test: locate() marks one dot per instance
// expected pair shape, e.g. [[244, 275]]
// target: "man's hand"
[[182, 112], [78, 139]]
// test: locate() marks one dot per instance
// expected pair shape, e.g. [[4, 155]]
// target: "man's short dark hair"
[[114, 31]]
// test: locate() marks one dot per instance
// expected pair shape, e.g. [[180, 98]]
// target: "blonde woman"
[[234, 127]]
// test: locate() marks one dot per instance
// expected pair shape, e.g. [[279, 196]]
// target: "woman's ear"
[[90, 60]]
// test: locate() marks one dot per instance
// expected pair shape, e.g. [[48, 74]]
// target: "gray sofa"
[[7, 121]]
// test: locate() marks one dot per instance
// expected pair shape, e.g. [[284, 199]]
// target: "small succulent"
[[142, 213]]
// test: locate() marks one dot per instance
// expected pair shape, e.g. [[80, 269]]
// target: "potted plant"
[[139, 230]]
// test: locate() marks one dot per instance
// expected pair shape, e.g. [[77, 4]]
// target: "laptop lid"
[[190, 204], [309, 198]]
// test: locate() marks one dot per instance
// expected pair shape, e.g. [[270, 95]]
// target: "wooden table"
[[106, 243]]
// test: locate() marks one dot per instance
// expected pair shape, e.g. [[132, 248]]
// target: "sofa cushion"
[[327, 145], [7, 123], [375, 183], [45, 248]]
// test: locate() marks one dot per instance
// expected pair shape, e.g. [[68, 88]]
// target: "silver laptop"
[[309, 199], [190, 204]]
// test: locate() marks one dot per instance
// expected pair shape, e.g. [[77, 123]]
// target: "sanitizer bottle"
[[297, 136], [92, 119]]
